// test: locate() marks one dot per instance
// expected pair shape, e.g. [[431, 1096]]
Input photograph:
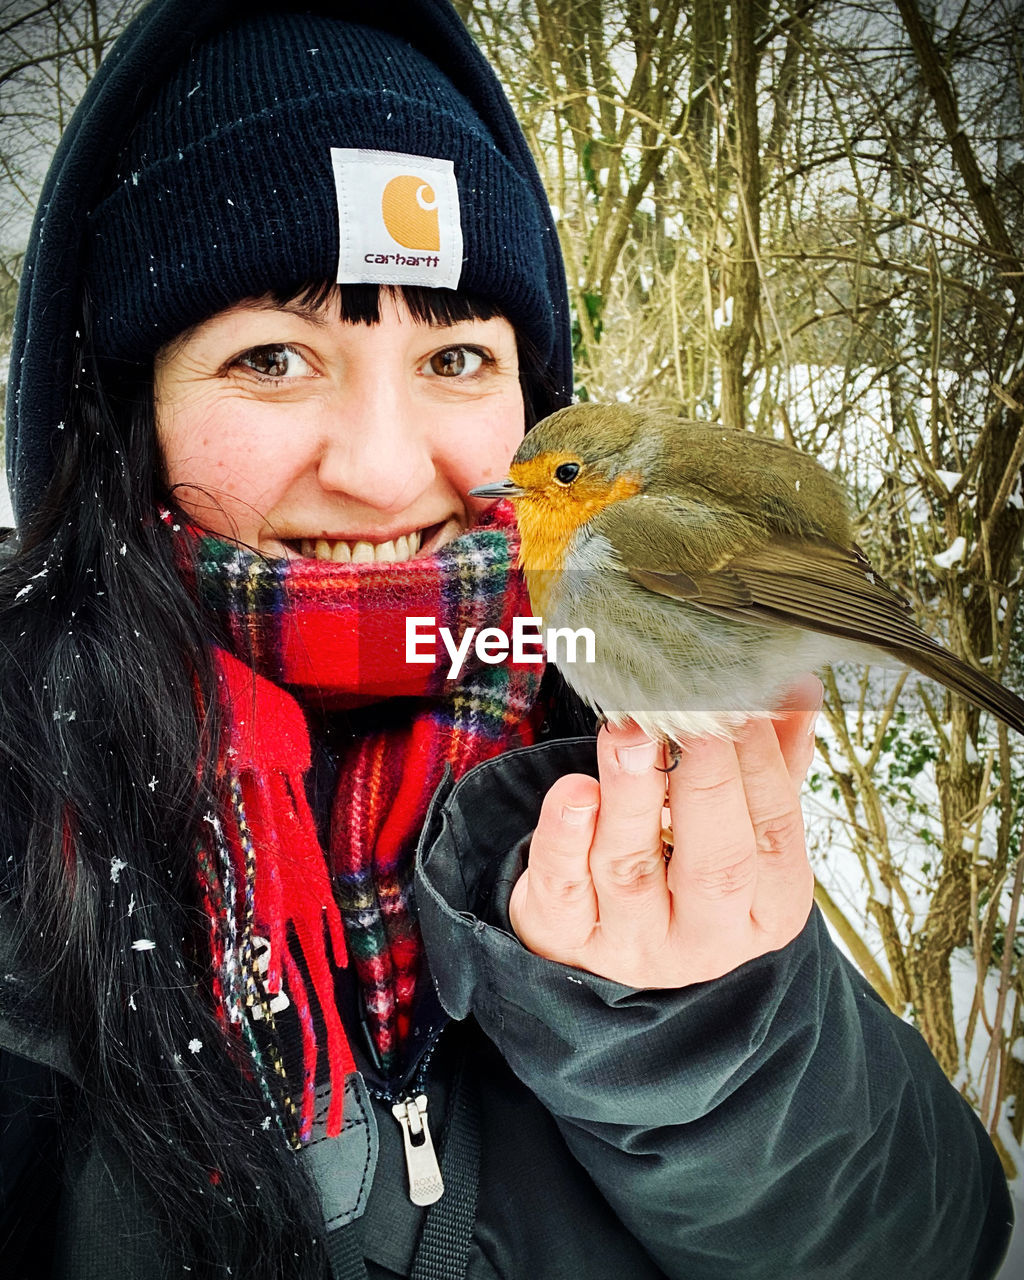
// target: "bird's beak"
[[506, 489]]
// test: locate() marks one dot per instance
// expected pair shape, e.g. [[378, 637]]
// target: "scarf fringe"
[[286, 881]]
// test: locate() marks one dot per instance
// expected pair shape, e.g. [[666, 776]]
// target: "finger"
[[794, 725], [554, 900], [785, 883], [713, 872], [625, 858]]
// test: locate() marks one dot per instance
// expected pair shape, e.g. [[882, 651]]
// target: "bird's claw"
[[674, 754]]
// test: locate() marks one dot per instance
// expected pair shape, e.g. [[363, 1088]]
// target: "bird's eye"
[[567, 472]]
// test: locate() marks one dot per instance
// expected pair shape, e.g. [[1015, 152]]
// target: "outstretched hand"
[[598, 893]]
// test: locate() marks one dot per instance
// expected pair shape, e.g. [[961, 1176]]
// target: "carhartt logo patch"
[[398, 219], [409, 209]]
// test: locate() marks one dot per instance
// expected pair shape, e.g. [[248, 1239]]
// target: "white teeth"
[[341, 552]]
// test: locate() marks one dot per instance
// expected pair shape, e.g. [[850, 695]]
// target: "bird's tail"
[[939, 664]]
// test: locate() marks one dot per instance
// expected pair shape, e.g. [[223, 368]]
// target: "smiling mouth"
[[361, 551]]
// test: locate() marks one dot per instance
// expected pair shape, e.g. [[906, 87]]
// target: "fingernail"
[[814, 718], [578, 815], [636, 759]]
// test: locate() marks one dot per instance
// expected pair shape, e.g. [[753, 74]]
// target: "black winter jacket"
[[776, 1123]]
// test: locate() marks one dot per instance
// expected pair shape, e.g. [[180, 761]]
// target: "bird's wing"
[[796, 581], [816, 585], [731, 567], [834, 591], [681, 536], [712, 559]]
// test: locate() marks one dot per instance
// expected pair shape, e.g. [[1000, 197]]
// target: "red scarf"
[[334, 636]]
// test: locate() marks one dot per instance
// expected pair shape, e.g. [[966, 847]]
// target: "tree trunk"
[[741, 280]]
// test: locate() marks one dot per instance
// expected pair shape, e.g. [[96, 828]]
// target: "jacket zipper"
[[425, 1182], [409, 1108]]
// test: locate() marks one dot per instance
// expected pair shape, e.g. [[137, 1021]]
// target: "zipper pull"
[[425, 1184]]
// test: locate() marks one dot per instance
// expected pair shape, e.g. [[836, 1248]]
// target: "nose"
[[375, 446]]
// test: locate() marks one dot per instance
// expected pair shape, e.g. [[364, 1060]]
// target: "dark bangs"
[[360, 303]]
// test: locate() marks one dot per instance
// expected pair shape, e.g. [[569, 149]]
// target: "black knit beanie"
[[272, 147], [277, 137]]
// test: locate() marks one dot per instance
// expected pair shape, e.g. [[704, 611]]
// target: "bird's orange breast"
[[549, 516]]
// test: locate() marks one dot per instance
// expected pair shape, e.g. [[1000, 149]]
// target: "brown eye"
[[455, 362], [276, 360], [567, 472]]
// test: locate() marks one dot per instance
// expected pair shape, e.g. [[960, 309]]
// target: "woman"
[[292, 292]]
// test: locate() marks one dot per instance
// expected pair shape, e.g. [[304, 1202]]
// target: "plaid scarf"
[[332, 636]]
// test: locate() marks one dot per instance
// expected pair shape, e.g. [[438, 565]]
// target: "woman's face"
[[294, 432]]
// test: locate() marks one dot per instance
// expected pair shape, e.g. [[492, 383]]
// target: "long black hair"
[[108, 772]]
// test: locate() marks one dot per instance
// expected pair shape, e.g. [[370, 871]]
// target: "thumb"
[[553, 907]]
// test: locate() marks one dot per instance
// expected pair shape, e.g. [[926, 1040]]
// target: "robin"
[[713, 566]]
